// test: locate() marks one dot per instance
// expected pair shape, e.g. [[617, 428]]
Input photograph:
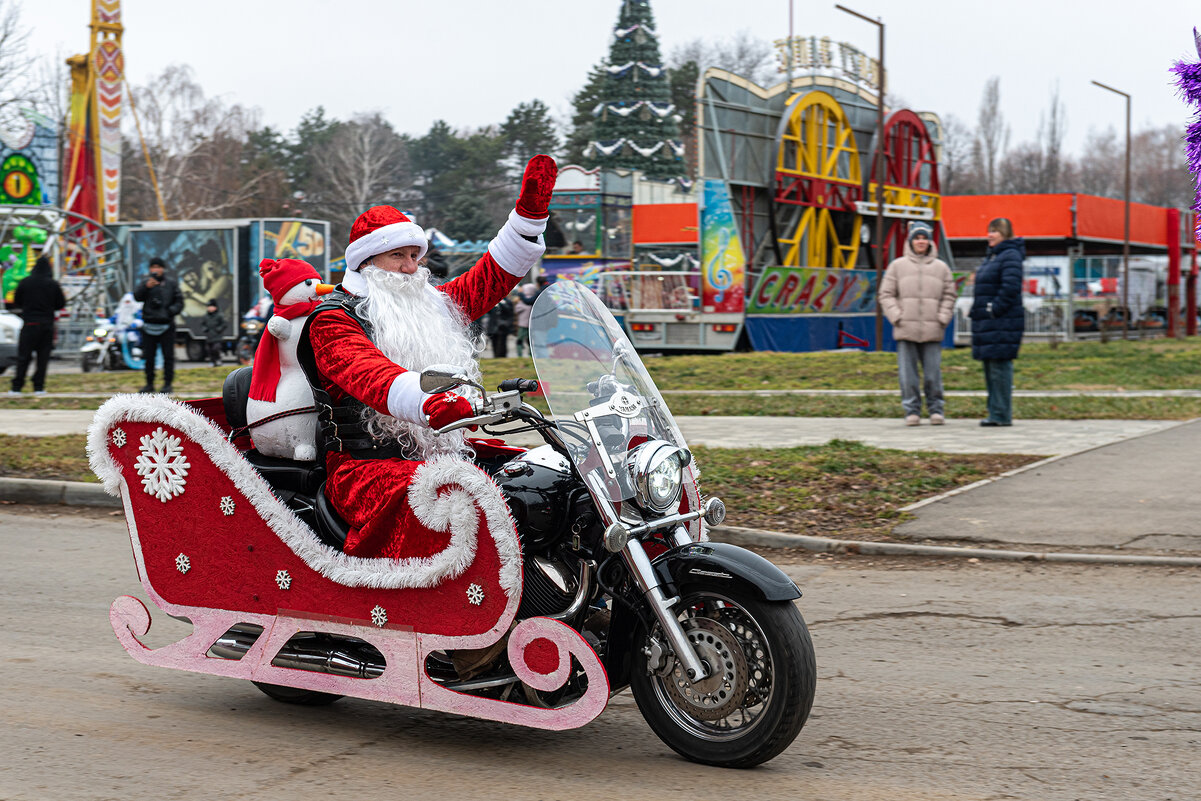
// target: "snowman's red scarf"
[[265, 377]]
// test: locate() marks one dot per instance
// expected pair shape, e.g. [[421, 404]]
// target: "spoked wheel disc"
[[759, 689]]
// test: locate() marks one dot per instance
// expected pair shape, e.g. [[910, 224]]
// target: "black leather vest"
[[340, 426]]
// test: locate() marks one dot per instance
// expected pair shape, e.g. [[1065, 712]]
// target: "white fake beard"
[[416, 326]]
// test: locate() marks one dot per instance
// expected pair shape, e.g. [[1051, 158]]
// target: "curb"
[[774, 539], [78, 493], [67, 493]]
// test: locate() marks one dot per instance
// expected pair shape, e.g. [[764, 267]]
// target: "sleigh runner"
[[215, 545]]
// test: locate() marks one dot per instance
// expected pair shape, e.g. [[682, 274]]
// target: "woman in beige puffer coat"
[[917, 295]]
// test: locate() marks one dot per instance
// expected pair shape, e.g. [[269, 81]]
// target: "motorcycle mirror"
[[443, 378]]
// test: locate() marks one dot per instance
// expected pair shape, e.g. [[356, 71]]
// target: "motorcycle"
[[254, 322], [597, 575], [114, 346]]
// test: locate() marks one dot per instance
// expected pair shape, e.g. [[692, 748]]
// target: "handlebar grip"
[[519, 384]]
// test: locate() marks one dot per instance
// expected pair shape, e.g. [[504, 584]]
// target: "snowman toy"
[[278, 387]]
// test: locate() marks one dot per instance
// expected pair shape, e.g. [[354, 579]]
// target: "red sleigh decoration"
[[213, 544]]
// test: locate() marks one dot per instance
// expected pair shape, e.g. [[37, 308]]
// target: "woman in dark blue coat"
[[998, 319]]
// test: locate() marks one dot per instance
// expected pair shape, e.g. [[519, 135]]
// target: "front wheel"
[[759, 692], [90, 361]]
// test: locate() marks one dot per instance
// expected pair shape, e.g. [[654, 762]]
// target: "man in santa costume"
[[364, 349]]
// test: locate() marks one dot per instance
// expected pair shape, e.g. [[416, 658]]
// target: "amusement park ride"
[[775, 221], [69, 209]]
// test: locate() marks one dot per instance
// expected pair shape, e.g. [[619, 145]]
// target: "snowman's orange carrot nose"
[[324, 289]]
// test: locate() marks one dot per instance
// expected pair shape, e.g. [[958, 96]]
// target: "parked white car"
[[10, 329]]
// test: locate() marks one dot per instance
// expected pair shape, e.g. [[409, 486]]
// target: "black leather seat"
[[286, 477]]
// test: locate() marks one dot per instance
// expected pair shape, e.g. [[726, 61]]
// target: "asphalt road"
[[952, 680]]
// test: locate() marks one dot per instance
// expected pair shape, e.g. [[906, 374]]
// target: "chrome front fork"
[[640, 568]]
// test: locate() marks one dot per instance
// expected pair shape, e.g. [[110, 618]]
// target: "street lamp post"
[[879, 174], [1126, 236]]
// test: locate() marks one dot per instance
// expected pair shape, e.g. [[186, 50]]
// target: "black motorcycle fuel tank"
[[540, 489]]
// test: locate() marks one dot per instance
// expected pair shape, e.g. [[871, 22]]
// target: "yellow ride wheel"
[[818, 180]]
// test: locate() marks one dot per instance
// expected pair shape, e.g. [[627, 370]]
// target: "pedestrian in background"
[[998, 319], [521, 315], [161, 300], [213, 327], [917, 295], [498, 324], [38, 296]]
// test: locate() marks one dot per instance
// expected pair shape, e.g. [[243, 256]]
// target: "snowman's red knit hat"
[[380, 229], [280, 276]]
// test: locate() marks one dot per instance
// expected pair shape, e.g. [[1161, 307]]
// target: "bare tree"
[[16, 67], [957, 174], [197, 146], [1159, 168], [743, 54], [1099, 170], [992, 134], [1051, 128], [363, 164]]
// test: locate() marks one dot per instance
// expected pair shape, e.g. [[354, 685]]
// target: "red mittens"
[[536, 187], [446, 408]]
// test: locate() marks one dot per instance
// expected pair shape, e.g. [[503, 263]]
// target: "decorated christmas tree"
[[636, 123]]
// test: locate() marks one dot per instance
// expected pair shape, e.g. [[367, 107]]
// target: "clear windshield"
[[603, 400]]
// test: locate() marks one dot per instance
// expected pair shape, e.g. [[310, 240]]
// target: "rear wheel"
[[295, 695], [760, 689]]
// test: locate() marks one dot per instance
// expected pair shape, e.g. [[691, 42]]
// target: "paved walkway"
[[1139, 493], [1038, 437]]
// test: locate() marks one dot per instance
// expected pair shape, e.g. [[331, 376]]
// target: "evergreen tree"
[[528, 131], [636, 125]]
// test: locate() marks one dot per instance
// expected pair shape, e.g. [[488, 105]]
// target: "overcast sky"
[[471, 61]]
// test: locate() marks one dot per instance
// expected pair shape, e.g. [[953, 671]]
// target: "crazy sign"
[[813, 290]]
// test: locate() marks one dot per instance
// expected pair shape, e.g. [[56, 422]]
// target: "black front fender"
[[719, 564]]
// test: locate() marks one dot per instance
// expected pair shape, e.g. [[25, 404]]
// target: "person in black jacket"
[[161, 301], [38, 296], [998, 319], [213, 328]]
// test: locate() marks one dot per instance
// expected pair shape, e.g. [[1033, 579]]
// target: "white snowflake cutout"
[[182, 563], [162, 465], [227, 506], [379, 616], [119, 437], [475, 595], [283, 579]]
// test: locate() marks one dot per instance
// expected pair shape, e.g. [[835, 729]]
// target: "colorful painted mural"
[[723, 267]]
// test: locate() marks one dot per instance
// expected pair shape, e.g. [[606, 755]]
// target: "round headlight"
[[100, 333], [657, 470]]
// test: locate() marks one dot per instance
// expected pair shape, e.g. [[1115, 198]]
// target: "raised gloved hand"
[[536, 187], [445, 408]]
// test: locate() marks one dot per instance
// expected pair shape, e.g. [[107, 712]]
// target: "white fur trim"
[[524, 225], [381, 240], [513, 253], [446, 494], [354, 283], [405, 398]]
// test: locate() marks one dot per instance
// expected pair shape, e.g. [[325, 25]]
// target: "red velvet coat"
[[372, 494]]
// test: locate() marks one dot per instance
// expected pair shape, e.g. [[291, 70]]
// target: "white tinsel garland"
[[618, 33], [623, 109], [615, 145], [619, 70]]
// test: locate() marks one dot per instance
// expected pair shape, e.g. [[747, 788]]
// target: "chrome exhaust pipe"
[[310, 651], [321, 654]]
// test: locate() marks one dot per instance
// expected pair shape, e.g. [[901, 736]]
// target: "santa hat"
[[380, 229]]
